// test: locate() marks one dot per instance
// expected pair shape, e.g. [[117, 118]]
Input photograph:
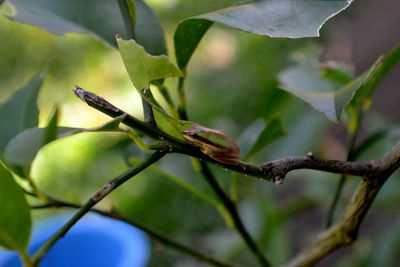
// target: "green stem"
[[128, 12], [226, 201], [26, 260], [231, 208], [342, 181], [182, 99], [99, 195], [35, 189], [147, 108]]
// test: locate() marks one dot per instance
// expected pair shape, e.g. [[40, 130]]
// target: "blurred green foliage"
[[232, 83]]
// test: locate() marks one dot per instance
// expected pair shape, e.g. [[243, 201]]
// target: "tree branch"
[[274, 171], [345, 231]]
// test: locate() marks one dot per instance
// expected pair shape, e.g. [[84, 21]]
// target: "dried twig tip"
[[79, 92], [92, 99]]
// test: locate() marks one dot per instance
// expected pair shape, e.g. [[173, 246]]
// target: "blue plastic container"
[[94, 241]]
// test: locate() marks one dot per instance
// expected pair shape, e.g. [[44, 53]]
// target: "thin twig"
[[182, 99], [231, 208], [147, 108], [151, 232], [99, 195], [342, 180]]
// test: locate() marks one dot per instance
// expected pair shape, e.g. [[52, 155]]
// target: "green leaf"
[[186, 38], [170, 125], [149, 32], [110, 126], [374, 75], [15, 219], [142, 67], [272, 131], [274, 18], [337, 73], [2, 3], [99, 18], [20, 111], [304, 81], [22, 149], [50, 132]]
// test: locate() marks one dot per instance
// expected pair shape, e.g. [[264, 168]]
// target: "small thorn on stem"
[[310, 155], [278, 180]]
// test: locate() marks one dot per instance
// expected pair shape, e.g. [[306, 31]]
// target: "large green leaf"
[[272, 131], [100, 18], [143, 67], [22, 149], [305, 81], [20, 111], [15, 219], [275, 18]]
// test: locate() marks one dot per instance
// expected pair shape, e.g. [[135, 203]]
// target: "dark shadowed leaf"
[[15, 219], [20, 111], [272, 131], [305, 81], [275, 18], [207, 197], [374, 75], [99, 18], [187, 37], [143, 67]]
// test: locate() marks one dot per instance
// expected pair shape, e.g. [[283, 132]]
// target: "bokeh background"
[[232, 85]]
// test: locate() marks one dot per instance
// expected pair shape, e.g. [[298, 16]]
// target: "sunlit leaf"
[[99, 18], [272, 131], [22, 149], [15, 219], [142, 67], [275, 18], [50, 132], [20, 111]]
